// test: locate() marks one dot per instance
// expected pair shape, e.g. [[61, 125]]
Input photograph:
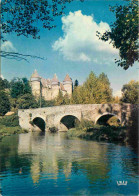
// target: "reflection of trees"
[[49, 156], [9, 158], [55, 157]]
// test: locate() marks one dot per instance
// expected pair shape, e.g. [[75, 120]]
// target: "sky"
[[72, 47]]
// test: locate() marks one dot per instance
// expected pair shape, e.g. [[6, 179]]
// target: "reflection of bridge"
[[57, 116]]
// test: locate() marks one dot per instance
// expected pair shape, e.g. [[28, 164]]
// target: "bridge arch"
[[39, 123], [103, 118], [69, 121]]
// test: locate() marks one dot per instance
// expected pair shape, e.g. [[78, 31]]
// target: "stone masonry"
[[49, 89], [52, 116]]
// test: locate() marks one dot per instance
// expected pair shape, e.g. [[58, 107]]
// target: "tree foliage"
[[4, 103], [26, 18], [4, 84], [19, 87], [130, 92], [124, 33], [62, 100], [27, 101], [94, 90], [76, 83], [22, 16]]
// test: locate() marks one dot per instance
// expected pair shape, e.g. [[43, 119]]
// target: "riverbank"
[[7, 131], [9, 125], [100, 133], [113, 132]]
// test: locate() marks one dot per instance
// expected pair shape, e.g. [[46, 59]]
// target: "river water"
[[51, 164]]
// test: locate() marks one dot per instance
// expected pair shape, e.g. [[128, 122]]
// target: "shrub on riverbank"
[[9, 125], [6, 131], [88, 130], [10, 121]]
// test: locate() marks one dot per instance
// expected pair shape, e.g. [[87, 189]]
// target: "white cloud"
[[117, 93], [79, 41], [7, 46]]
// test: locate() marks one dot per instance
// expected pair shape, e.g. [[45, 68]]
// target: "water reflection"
[[53, 155], [76, 165]]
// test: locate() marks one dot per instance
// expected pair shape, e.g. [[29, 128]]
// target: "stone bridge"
[[63, 117]]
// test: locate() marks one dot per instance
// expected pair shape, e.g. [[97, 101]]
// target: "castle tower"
[[55, 86], [67, 83], [36, 84]]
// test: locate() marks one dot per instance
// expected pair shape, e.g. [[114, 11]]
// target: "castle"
[[49, 89]]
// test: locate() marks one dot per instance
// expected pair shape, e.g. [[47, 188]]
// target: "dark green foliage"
[[10, 121], [27, 101], [76, 83], [4, 84], [84, 124], [22, 17], [1, 84], [19, 87], [124, 33], [7, 131], [130, 92], [45, 103], [100, 133], [4, 103]]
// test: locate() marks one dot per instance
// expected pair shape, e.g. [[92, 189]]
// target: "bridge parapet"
[[53, 115]]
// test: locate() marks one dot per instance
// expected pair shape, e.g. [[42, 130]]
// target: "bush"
[[53, 129], [84, 124], [4, 103], [10, 121]]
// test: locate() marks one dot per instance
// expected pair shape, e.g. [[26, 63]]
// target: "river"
[[52, 164]]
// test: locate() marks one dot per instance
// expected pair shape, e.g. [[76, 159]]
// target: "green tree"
[[27, 101], [46, 103], [76, 83], [19, 87], [60, 99], [105, 89], [4, 84], [130, 92], [26, 86], [66, 100], [22, 17], [124, 33], [1, 84], [91, 88], [4, 103], [94, 91]]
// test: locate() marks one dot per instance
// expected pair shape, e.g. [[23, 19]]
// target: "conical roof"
[[67, 78], [55, 79], [35, 74]]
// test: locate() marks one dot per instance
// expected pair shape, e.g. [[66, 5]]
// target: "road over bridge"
[[63, 117]]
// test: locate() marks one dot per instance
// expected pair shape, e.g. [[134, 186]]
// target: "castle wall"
[[68, 88], [55, 91], [49, 92]]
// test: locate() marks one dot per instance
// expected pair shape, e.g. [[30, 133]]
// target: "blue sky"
[[72, 47]]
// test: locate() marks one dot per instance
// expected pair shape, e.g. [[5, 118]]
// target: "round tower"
[[55, 86], [35, 84], [67, 83]]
